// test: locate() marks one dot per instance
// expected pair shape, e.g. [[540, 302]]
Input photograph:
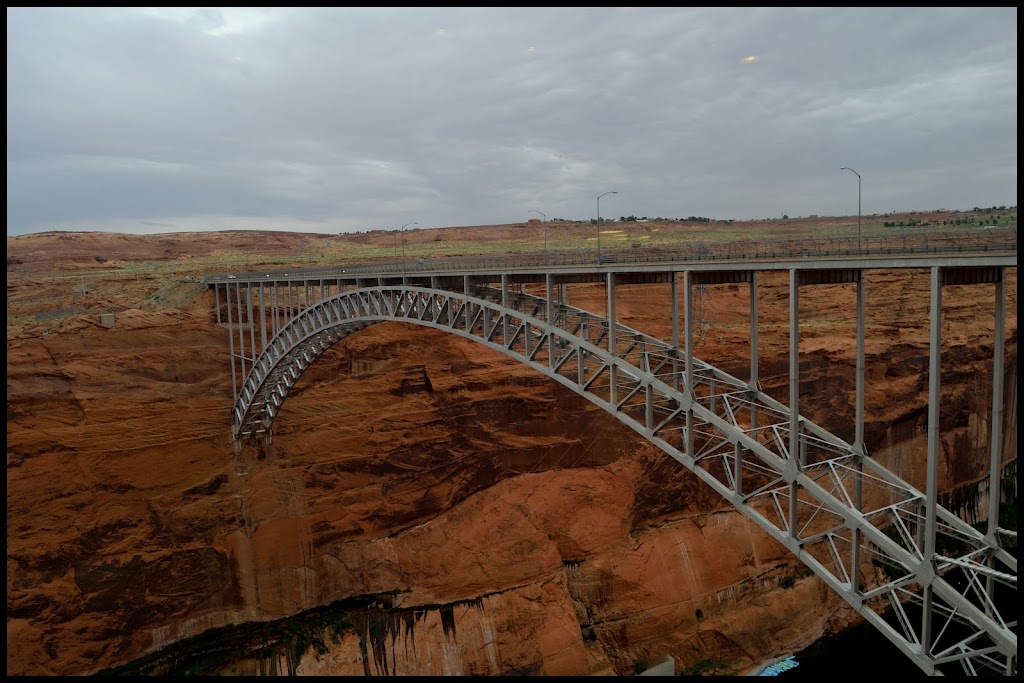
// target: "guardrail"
[[986, 240]]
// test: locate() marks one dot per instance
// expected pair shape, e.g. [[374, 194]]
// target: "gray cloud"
[[353, 119]]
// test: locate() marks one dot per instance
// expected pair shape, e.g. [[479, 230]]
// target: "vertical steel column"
[[504, 304], [526, 337], [522, 307], [231, 344], [688, 342], [216, 300], [713, 386], [754, 351], [932, 481], [435, 313], [263, 320], [649, 409], [252, 321], [580, 375], [737, 469], [277, 309], [996, 445], [485, 319], [794, 393], [858, 444], [675, 331], [548, 286], [613, 370], [241, 331]]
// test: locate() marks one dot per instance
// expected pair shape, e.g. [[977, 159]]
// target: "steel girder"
[[856, 525]]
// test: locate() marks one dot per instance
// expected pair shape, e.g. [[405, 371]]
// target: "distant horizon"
[[609, 219]]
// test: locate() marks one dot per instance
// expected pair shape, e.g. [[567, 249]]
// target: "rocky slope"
[[466, 515]]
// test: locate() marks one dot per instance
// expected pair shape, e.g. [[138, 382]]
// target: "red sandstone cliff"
[[504, 524]]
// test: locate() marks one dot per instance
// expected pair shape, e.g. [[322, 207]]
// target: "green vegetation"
[[16, 324], [708, 667]]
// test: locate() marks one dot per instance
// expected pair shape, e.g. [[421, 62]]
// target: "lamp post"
[[599, 224], [847, 168], [545, 227], [402, 230]]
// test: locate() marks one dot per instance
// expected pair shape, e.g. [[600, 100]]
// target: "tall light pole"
[[402, 231], [847, 168], [545, 227], [599, 224]]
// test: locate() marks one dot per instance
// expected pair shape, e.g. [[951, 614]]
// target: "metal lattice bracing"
[[836, 509]]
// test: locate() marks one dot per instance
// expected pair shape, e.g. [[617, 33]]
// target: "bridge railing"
[[900, 242]]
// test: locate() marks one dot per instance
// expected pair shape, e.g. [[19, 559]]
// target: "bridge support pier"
[[794, 395], [932, 477], [675, 331], [754, 384], [504, 304], [996, 444], [613, 371], [688, 343]]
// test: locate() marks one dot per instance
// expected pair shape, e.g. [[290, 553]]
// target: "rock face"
[[501, 524]]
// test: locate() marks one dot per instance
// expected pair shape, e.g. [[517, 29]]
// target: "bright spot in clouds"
[[751, 58], [215, 21]]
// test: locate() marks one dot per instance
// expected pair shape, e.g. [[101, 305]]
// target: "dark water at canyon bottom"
[[858, 651]]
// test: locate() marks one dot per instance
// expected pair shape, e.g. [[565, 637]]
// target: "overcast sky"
[[337, 120]]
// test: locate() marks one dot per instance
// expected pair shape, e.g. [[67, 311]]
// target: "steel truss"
[[857, 526]]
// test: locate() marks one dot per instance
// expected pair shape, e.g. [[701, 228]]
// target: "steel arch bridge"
[[948, 596]]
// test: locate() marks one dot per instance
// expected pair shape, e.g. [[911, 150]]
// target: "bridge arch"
[[814, 493]]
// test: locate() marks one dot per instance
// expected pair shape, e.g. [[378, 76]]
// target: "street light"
[[545, 227], [599, 224], [846, 168], [402, 230]]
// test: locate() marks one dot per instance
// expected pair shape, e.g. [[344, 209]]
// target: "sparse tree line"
[[658, 219], [991, 220], [977, 221]]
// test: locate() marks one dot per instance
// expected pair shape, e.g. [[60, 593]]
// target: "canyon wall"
[[493, 521]]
